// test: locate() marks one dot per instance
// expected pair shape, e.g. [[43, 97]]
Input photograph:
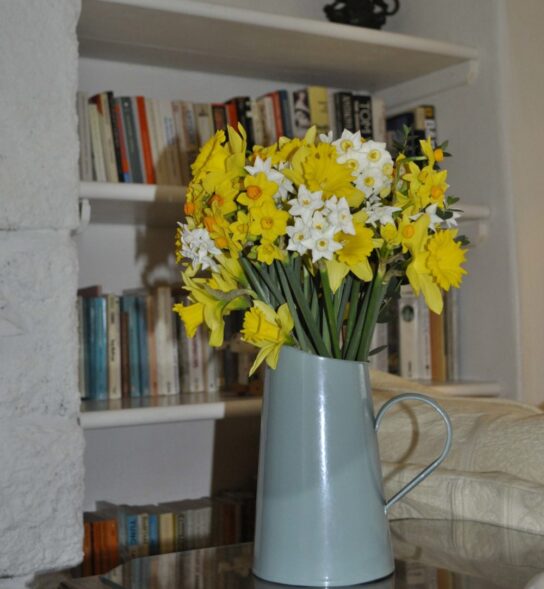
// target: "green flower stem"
[[330, 312], [327, 336], [272, 287], [377, 292], [303, 340], [302, 304], [346, 289], [355, 338], [352, 314], [253, 280]]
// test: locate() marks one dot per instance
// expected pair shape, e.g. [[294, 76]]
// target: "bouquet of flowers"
[[312, 238]]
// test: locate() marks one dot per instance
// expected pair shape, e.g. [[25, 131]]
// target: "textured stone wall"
[[41, 443]]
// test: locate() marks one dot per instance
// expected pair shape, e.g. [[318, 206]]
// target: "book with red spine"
[[146, 141]]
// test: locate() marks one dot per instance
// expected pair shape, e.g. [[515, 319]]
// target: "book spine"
[[269, 120], [452, 334], [146, 140], [210, 364], [172, 153], [129, 126], [87, 565], [232, 114], [408, 333], [243, 107], [99, 170], [378, 120], [82, 351], [125, 164], [143, 355], [138, 136], [301, 112], [129, 303], [286, 117], [195, 361], [125, 353], [219, 115], [132, 535], [348, 112], [167, 538], [84, 132], [174, 349], [429, 124], [115, 135], [153, 524], [364, 115], [152, 346], [114, 347], [204, 122], [438, 348], [318, 100], [106, 132], [278, 122], [338, 118], [424, 334], [258, 124], [101, 351], [150, 117]]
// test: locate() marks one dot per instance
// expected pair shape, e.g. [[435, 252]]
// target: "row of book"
[[134, 345], [117, 533], [153, 141], [417, 343]]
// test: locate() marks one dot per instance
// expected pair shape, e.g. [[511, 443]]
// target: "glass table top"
[[429, 554]]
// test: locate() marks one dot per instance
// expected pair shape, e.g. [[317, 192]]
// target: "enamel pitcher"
[[321, 512]]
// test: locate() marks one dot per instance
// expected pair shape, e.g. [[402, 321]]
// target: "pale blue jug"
[[321, 511]]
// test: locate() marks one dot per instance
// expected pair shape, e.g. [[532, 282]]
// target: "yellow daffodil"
[[191, 315], [445, 259], [432, 154], [267, 252], [355, 251], [268, 221], [316, 167], [413, 234], [258, 189], [219, 229], [268, 330], [422, 281], [240, 227], [434, 188], [211, 157]]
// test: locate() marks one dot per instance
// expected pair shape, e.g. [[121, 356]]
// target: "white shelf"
[[156, 410], [133, 204], [197, 35], [145, 204]]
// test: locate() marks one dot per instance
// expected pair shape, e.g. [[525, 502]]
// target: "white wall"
[[41, 445], [523, 85], [472, 118]]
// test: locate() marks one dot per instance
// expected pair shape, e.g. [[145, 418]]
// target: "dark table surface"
[[429, 554]]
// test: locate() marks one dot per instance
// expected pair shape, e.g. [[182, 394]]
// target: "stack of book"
[[117, 533], [134, 345], [151, 141]]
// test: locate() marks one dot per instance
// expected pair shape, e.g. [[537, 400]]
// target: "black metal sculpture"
[[361, 13]]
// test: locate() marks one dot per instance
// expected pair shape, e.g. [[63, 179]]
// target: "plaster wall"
[[41, 443], [523, 77]]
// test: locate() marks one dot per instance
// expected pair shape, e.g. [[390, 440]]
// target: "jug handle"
[[429, 469]]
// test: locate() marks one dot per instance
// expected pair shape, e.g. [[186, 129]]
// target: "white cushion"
[[494, 472]]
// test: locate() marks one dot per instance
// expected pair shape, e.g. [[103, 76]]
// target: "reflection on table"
[[430, 554]]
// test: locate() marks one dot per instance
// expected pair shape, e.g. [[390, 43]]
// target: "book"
[[116, 135], [301, 112], [362, 106], [439, 367], [114, 346], [131, 138], [99, 168], [128, 306], [345, 114], [187, 136], [204, 122], [164, 328], [380, 360], [145, 140], [172, 153], [84, 133], [106, 135], [97, 346], [126, 175]]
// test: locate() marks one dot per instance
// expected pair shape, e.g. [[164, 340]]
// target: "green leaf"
[[377, 350], [330, 312]]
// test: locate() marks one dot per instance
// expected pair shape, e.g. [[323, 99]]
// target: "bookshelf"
[[203, 52]]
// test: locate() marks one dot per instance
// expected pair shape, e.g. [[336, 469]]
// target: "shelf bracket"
[[412, 93], [84, 215]]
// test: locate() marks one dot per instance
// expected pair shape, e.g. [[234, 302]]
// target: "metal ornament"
[[361, 13]]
